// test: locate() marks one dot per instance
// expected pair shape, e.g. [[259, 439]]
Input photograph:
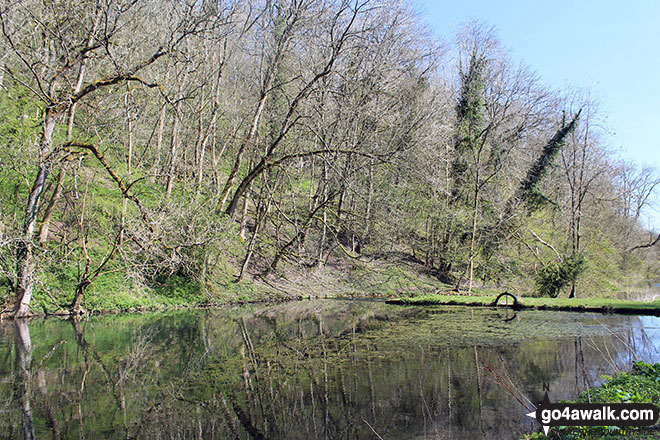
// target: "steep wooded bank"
[[170, 152]]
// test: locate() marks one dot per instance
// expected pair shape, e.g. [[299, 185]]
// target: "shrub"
[[554, 276]]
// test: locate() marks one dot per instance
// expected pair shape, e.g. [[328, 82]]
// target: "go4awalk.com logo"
[[594, 414]]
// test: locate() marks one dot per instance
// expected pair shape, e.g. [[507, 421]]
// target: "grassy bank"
[[112, 294], [389, 276], [603, 305], [641, 385], [118, 291]]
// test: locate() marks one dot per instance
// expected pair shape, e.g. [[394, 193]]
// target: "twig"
[[372, 429], [499, 380], [543, 242]]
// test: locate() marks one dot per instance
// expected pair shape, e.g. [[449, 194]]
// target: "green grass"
[[574, 304], [114, 293]]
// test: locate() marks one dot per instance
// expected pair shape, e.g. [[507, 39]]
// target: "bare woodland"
[[222, 142]]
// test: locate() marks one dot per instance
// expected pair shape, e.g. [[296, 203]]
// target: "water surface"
[[325, 369]]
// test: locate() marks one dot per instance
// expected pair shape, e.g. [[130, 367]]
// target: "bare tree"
[[49, 59]]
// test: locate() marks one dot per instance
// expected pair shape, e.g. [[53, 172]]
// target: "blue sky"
[[609, 47]]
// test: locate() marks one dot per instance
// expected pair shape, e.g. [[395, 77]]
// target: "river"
[[320, 369]]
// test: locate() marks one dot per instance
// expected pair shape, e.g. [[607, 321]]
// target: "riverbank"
[[600, 305], [124, 302], [115, 292], [395, 278]]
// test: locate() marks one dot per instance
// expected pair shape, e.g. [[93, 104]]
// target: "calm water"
[[324, 369]]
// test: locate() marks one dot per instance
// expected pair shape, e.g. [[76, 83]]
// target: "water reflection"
[[23, 381], [305, 370]]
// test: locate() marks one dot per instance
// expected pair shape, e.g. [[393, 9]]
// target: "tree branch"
[[648, 245]]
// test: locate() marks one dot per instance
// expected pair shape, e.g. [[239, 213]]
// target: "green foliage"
[[469, 109], [19, 129], [470, 117], [641, 385], [556, 275], [603, 274], [529, 189], [177, 288], [19, 118], [648, 370]]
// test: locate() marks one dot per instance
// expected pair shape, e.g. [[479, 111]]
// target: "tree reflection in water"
[[305, 370]]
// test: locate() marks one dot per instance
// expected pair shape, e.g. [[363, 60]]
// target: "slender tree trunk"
[[45, 226], [159, 136], [26, 260], [207, 135], [57, 192], [174, 141], [200, 129], [159, 133], [200, 153], [248, 253], [243, 226], [473, 238], [324, 232], [173, 151], [224, 195], [129, 162], [244, 212], [370, 196], [578, 184]]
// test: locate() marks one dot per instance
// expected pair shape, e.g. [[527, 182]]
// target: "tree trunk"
[[26, 260], [174, 141], [324, 231], [239, 156], [209, 130], [159, 134], [473, 238], [129, 162], [243, 222], [370, 196], [45, 225], [80, 293], [244, 185]]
